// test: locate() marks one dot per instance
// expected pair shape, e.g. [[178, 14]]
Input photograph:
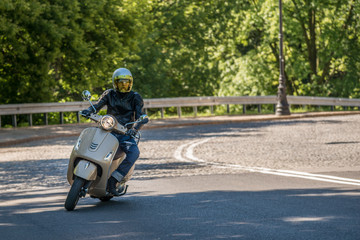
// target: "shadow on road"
[[33, 174], [277, 214], [241, 128], [169, 133], [23, 175]]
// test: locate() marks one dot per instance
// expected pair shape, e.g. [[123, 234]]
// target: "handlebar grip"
[[145, 120], [140, 124], [84, 115]]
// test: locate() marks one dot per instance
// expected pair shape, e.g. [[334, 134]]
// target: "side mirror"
[[86, 95]]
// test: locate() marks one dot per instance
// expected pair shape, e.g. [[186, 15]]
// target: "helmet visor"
[[122, 85]]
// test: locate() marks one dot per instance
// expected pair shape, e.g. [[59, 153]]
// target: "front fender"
[[86, 170]]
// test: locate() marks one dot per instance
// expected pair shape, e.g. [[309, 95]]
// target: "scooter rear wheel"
[[74, 193]]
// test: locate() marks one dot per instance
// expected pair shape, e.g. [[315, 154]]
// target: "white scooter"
[[92, 159]]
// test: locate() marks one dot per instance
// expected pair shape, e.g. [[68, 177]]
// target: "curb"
[[31, 139], [195, 122]]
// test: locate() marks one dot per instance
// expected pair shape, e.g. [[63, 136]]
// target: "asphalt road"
[[289, 179]]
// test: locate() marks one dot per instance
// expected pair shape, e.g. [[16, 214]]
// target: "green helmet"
[[122, 80]]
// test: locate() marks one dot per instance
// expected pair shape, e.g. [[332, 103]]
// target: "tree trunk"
[[312, 47]]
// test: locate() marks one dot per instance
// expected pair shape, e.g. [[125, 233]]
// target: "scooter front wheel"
[[74, 193]]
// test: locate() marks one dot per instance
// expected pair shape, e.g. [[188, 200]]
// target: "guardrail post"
[[162, 112], [228, 108], [46, 118], [0, 121], [30, 120], [78, 117], [259, 108], [61, 118], [244, 109], [195, 111], [212, 109], [179, 111], [274, 107], [14, 120]]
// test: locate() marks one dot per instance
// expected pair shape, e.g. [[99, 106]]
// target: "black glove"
[[139, 125], [86, 112], [132, 132]]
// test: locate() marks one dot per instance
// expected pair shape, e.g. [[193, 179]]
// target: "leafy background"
[[51, 50]]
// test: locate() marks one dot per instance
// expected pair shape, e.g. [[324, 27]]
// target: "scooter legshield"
[[93, 145], [86, 170], [98, 147]]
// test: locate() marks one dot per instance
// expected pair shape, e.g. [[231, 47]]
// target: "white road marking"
[[189, 157], [178, 152]]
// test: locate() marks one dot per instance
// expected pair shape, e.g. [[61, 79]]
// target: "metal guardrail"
[[323, 101], [162, 103]]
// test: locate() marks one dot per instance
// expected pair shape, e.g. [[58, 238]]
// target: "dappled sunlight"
[[307, 219], [108, 222], [7, 225], [38, 210], [328, 194], [34, 191], [25, 201], [35, 153], [32, 175]]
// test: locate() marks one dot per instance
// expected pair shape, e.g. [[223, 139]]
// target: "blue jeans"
[[128, 146]]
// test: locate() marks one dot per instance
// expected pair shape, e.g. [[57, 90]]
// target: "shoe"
[[112, 186], [121, 189]]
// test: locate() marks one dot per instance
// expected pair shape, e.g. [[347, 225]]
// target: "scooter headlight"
[[108, 122]]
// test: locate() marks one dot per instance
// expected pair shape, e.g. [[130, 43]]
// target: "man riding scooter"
[[126, 106]]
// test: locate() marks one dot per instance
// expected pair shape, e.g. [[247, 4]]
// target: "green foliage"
[[52, 50], [327, 45], [321, 49]]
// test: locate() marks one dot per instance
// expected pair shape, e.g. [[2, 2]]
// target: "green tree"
[[51, 50], [321, 49], [324, 34], [185, 44]]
